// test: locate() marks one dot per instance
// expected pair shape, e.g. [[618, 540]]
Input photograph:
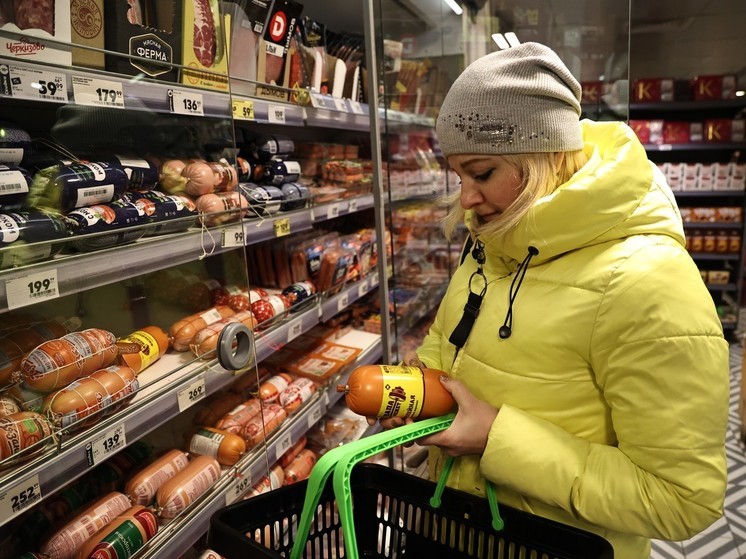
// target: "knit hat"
[[519, 100]]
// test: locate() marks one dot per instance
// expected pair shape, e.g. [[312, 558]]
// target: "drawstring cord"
[[507, 328]]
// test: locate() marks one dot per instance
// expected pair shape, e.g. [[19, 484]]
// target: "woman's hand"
[[470, 428], [411, 360]]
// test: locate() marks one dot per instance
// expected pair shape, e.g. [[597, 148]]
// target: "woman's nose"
[[470, 197]]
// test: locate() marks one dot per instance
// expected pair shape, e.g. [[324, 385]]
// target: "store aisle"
[[726, 538]]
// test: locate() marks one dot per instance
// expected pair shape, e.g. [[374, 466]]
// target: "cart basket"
[[393, 519]]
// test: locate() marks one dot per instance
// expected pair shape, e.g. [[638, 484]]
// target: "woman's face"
[[488, 184]]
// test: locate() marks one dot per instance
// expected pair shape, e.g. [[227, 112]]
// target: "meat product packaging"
[[15, 143], [148, 30], [66, 187], [246, 27], [19, 229], [119, 220], [205, 34], [87, 29], [14, 187], [45, 19], [274, 47]]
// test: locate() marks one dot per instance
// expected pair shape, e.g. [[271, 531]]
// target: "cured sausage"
[[263, 424], [301, 466], [122, 537], [296, 394], [174, 496], [143, 347], [20, 431], [270, 389], [64, 543], [414, 392], [235, 420], [182, 332], [57, 363], [142, 487], [206, 340], [226, 447], [88, 395]]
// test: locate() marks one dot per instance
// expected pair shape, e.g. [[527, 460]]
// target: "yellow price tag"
[[282, 227], [400, 87], [243, 110]]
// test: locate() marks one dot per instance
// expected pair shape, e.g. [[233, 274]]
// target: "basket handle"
[[497, 522]]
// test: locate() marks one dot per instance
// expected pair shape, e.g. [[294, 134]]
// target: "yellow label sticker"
[[243, 110], [147, 344], [400, 87], [282, 227], [403, 391]]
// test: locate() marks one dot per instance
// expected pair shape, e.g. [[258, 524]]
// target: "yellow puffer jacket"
[[613, 387]]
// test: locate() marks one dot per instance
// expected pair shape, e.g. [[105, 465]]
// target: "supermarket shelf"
[[724, 146], [666, 106], [408, 119], [708, 193], [130, 92], [432, 300], [263, 111], [164, 387], [722, 287], [74, 273], [714, 256], [249, 470], [712, 225]]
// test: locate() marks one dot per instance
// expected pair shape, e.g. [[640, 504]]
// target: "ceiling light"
[[455, 7], [512, 39], [500, 40]]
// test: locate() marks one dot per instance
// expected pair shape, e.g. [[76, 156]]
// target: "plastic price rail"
[[341, 461]]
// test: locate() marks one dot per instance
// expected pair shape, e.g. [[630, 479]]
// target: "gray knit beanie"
[[519, 100]]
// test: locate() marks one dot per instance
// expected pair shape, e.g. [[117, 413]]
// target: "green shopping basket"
[[396, 515]]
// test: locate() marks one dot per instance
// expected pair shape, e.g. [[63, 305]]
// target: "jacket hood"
[[618, 193]]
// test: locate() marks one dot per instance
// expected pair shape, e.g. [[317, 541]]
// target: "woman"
[[589, 364]]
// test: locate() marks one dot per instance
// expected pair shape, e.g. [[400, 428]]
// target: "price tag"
[[357, 108], [243, 110], [32, 83], [282, 227], [325, 400], [316, 414], [362, 289], [283, 445], [665, 147], [98, 93], [317, 100], [233, 236], [192, 394], [373, 281], [19, 497], [239, 487], [186, 102], [104, 446], [276, 114], [333, 211], [341, 105], [295, 330], [31, 289], [352, 206], [343, 301]]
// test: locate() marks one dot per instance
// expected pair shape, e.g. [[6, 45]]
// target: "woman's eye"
[[484, 176]]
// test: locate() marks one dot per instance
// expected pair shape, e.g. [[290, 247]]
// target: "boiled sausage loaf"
[[182, 332], [122, 537], [142, 487], [184, 488]]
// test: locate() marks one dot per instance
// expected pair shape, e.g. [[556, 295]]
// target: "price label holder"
[[282, 227], [362, 289], [243, 109], [276, 114], [373, 281], [191, 394], [283, 445], [238, 487], [295, 330], [19, 497], [98, 93], [232, 236], [352, 206], [341, 105], [32, 83], [665, 147], [317, 100], [343, 302], [317, 412], [105, 445], [357, 108], [31, 289], [186, 102], [333, 211]]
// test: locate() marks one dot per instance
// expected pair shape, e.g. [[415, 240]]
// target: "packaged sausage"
[[183, 332], [271, 388], [335, 264], [206, 341], [292, 452], [121, 217], [14, 345], [296, 394], [15, 143], [198, 296], [274, 480], [170, 213], [222, 207], [225, 447], [235, 420], [295, 196], [66, 187], [278, 172], [22, 431], [269, 147], [299, 292], [123, 537], [142, 487], [216, 406], [14, 187], [263, 424], [143, 347], [249, 171], [264, 200], [9, 405], [187, 486], [267, 310], [25, 236], [142, 173], [301, 466]]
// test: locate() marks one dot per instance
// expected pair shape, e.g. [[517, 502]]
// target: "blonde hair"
[[541, 175]]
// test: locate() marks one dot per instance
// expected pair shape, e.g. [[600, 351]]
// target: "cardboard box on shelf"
[[708, 88], [675, 132], [87, 29], [205, 45], [149, 30], [592, 92], [25, 19], [272, 68], [724, 130], [652, 90], [696, 132]]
